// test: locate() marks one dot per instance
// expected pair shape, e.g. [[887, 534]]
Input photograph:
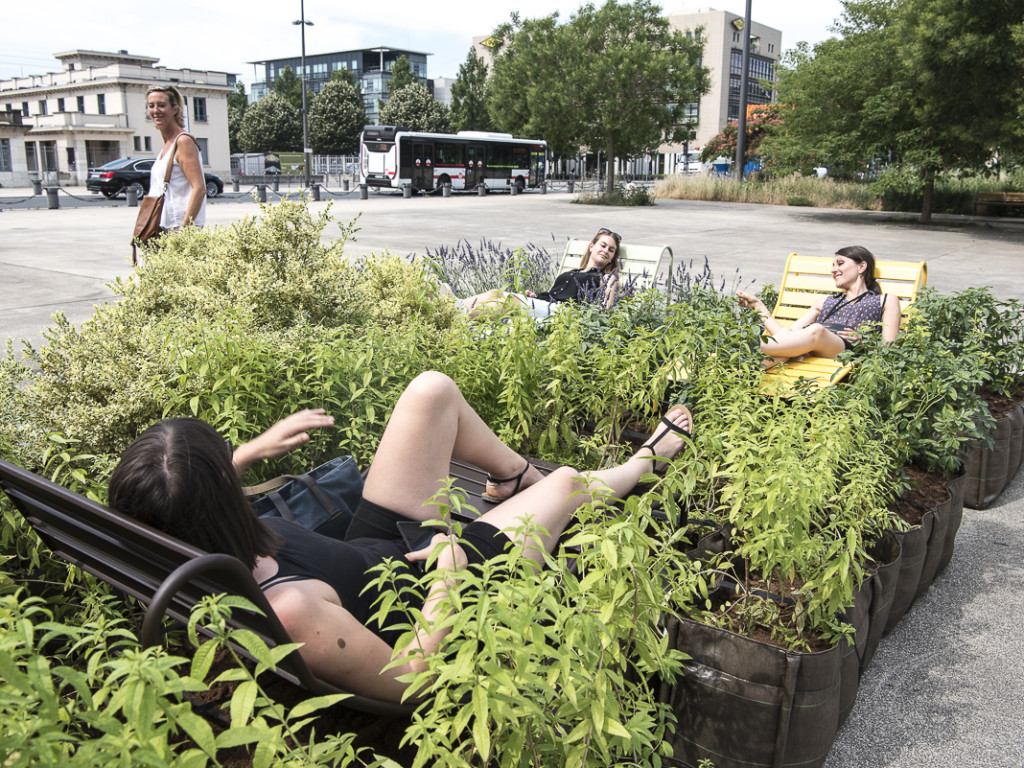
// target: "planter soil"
[[742, 703]]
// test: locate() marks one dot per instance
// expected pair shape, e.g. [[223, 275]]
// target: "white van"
[[689, 162]]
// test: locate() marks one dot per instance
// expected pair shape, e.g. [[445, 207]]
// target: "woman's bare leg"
[[538, 515], [490, 303], [432, 424], [792, 342]]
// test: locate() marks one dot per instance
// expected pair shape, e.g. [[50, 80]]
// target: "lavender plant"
[[469, 271]]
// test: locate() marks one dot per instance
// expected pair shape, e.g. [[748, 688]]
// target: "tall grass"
[[791, 190]]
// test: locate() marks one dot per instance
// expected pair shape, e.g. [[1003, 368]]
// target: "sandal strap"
[[657, 438], [498, 480]]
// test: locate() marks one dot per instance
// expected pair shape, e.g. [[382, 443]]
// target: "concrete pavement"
[[946, 687]]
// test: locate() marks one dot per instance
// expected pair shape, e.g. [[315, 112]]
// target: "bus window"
[[378, 146]]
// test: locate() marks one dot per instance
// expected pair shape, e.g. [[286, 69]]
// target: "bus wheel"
[[520, 184], [443, 181]]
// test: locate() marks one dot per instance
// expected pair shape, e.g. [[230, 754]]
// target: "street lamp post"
[[741, 128], [303, 23]]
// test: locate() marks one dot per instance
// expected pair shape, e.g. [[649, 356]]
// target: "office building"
[[369, 67]]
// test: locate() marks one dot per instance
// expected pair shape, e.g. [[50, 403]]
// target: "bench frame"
[[647, 266], [1000, 199], [809, 277]]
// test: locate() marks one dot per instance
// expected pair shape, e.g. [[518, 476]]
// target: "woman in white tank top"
[[185, 198]]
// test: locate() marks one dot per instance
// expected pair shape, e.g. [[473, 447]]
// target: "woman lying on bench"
[[597, 277], [830, 325], [180, 477]]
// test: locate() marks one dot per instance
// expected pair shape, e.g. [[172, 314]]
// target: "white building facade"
[[94, 111]]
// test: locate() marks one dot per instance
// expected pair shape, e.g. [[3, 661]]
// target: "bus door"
[[423, 165], [474, 165], [538, 168]]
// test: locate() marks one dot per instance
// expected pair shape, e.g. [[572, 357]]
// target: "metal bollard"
[[131, 197], [316, 193], [277, 183], [514, 189], [406, 190], [481, 190], [364, 192], [234, 185], [37, 186], [52, 202], [446, 190], [543, 187], [572, 186], [344, 185], [261, 192]]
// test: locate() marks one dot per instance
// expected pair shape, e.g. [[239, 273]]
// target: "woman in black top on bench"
[[180, 477], [830, 325], [598, 270]]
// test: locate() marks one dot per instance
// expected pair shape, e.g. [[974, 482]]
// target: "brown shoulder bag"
[[151, 208]]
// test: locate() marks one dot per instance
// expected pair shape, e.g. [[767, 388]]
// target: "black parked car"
[[117, 176]]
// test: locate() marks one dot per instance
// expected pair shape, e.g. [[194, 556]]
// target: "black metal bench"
[[170, 576], [998, 200]]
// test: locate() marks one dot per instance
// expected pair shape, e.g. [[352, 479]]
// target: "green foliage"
[[555, 667], [630, 77], [623, 194], [401, 75], [289, 86], [336, 118], [413, 107], [469, 96], [763, 121], [272, 124]]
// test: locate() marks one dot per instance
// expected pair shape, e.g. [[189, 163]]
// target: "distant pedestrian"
[[185, 197]]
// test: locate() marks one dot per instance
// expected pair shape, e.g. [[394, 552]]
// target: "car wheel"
[[211, 189], [140, 191]]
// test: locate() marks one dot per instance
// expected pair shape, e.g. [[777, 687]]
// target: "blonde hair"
[[613, 264], [174, 97]]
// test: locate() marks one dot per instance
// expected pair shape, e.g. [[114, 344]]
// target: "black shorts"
[[372, 521]]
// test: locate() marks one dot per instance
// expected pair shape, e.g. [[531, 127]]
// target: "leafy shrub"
[[622, 194], [799, 201]]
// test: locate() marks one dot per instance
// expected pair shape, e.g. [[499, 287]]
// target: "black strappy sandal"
[[655, 439], [498, 481]]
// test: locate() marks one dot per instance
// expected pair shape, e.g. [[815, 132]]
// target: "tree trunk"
[[611, 166], [929, 194]]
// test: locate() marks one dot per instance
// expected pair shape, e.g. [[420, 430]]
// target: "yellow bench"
[[642, 266], [807, 278]]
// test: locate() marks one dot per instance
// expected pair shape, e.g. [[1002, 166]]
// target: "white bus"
[[392, 157]]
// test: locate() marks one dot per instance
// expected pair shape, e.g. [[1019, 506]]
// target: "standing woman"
[[830, 325], [185, 198]]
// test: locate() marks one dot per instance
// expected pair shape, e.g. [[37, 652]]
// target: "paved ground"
[[946, 687]]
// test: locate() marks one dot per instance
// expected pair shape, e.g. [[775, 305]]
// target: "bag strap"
[[273, 484]]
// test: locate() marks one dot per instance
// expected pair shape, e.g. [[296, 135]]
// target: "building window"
[[24, 109], [199, 109], [30, 157], [81, 103], [42, 107], [5, 155], [138, 143], [60, 105], [101, 103], [149, 143], [203, 154]]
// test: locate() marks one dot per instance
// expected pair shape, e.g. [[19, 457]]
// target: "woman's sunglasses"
[[606, 231]]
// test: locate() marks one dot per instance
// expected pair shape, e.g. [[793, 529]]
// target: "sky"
[[225, 36]]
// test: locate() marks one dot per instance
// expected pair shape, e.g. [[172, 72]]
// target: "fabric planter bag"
[[936, 546], [989, 471], [956, 515], [914, 544], [887, 553], [859, 617], [742, 703]]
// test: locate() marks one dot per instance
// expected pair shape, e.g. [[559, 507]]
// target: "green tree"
[[289, 85], [469, 96], [414, 107], [237, 98], [344, 76], [615, 79], [336, 118], [271, 124], [401, 75], [238, 102], [911, 82]]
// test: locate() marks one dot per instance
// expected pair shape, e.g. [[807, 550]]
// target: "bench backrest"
[[643, 266], [808, 277], [166, 574]]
